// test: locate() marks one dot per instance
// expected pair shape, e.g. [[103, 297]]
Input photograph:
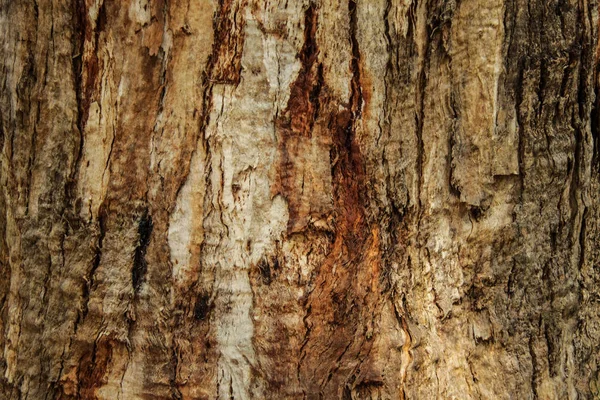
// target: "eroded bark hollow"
[[357, 199]]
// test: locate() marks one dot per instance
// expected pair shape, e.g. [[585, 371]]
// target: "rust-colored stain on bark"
[[340, 310], [93, 367], [303, 106], [296, 123], [226, 60]]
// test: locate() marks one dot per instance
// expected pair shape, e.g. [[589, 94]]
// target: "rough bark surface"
[[288, 199]]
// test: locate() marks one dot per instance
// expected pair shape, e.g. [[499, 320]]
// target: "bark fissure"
[[140, 266]]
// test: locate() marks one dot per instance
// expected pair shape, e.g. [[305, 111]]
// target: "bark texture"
[[298, 199]]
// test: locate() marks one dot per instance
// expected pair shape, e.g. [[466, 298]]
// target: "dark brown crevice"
[[586, 103], [2, 132], [541, 87], [438, 26], [80, 22], [510, 283], [582, 239], [551, 333], [520, 128], [175, 392], [453, 184], [390, 48], [402, 318], [295, 124], [202, 307], [315, 94], [595, 89], [30, 105], [511, 77], [420, 114], [93, 366], [165, 56], [265, 271], [140, 266], [89, 280], [534, 368], [397, 75], [357, 95], [303, 105], [595, 124], [91, 65], [348, 171]]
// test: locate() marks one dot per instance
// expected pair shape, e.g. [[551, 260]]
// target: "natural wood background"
[[357, 199]]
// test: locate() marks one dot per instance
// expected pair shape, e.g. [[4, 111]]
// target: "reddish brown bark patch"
[[226, 60], [303, 106], [295, 127], [93, 367], [341, 310]]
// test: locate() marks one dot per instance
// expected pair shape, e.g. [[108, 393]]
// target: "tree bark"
[[358, 199]]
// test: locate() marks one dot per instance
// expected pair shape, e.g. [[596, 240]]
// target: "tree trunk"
[[358, 199]]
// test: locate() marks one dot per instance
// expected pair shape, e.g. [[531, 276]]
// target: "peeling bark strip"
[[234, 199]]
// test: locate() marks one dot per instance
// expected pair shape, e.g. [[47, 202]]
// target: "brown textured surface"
[[286, 199]]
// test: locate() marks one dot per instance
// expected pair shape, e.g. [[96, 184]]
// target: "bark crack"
[[89, 280], [140, 265]]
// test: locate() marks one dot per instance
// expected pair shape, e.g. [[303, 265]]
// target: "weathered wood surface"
[[299, 199]]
